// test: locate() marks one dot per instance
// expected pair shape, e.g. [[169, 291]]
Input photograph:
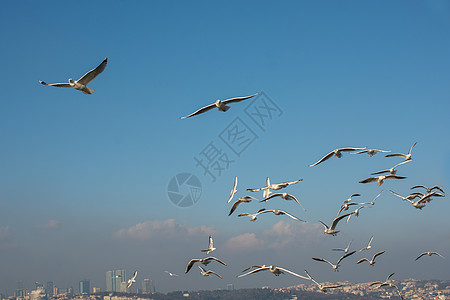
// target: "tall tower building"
[[49, 289], [114, 279], [148, 286], [85, 287]]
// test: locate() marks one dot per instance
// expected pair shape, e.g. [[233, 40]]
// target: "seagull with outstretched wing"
[[221, 105], [337, 153], [81, 84]]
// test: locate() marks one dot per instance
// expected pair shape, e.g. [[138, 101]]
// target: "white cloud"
[[51, 224], [5, 239], [246, 241], [167, 229], [284, 233]]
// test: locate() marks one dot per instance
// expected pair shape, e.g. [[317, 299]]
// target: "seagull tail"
[[226, 108], [88, 91]]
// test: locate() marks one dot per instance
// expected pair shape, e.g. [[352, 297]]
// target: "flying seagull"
[[388, 283], [252, 216], [369, 246], [233, 190], [279, 212], [285, 196], [254, 266], [245, 199], [335, 266], [356, 213], [373, 201], [221, 105], [210, 246], [323, 288], [392, 170], [204, 261], [345, 250], [274, 270], [371, 152], [331, 230], [419, 204], [381, 178], [405, 156], [337, 153], [209, 272], [371, 262], [429, 253], [132, 279], [429, 190], [81, 84], [171, 274]]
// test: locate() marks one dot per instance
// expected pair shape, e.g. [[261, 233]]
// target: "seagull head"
[[71, 81]]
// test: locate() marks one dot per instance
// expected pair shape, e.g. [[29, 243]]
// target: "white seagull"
[[419, 204], [132, 279], [429, 253], [371, 152], [171, 274], [233, 190], [381, 178], [373, 201], [252, 216], [356, 213], [345, 250], [209, 272], [274, 270], [221, 105], [285, 196], [337, 153], [371, 262], [81, 84], [245, 199], [323, 288], [429, 190], [392, 170], [388, 283], [279, 212], [210, 246], [405, 156], [331, 230], [369, 246], [335, 266], [204, 261]]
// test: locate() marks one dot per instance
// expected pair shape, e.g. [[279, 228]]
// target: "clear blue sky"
[[351, 73]]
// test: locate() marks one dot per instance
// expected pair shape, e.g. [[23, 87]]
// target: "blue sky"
[[344, 74]]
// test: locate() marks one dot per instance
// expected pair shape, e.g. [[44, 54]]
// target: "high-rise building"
[[114, 279], [39, 286], [85, 287], [20, 292], [49, 289], [148, 286]]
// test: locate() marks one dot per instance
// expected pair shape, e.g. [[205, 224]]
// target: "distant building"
[[96, 290], [49, 288], [39, 286], [38, 294], [148, 286], [114, 278], [230, 287], [85, 287], [20, 292]]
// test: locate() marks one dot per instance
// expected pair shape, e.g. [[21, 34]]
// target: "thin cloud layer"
[[167, 229], [5, 239], [246, 241], [52, 224]]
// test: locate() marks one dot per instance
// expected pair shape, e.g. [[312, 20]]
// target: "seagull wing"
[[381, 172], [89, 76], [201, 110], [292, 197], [271, 196], [238, 99], [410, 149], [237, 203], [396, 154], [437, 188], [292, 216], [437, 254], [64, 85], [233, 190], [338, 249], [255, 266], [323, 260], [336, 220], [329, 155], [363, 259], [254, 271], [422, 254], [370, 179], [389, 276], [310, 278], [190, 264], [344, 256], [255, 190], [360, 152], [211, 272], [395, 177], [348, 149], [292, 273], [213, 258], [210, 244], [377, 254]]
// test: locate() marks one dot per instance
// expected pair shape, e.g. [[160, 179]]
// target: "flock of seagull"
[[423, 198]]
